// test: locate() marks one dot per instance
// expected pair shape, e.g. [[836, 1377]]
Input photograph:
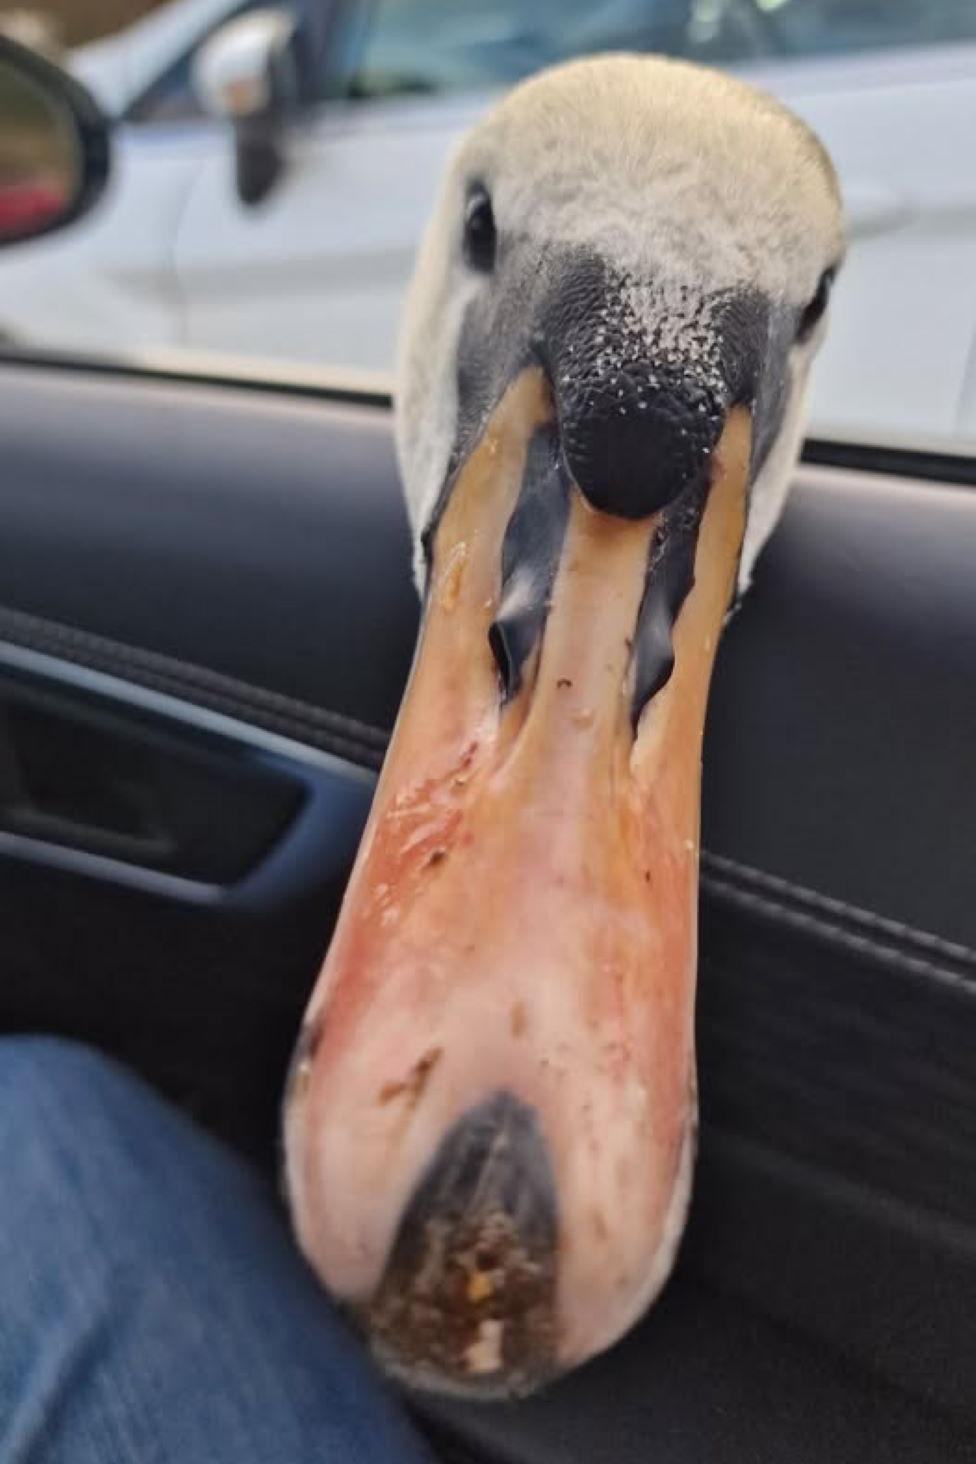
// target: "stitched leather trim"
[[288, 716], [860, 931], [768, 896]]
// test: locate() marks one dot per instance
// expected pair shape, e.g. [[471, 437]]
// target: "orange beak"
[[490, 1126]]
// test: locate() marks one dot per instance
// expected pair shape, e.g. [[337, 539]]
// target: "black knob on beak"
[[639, 421], [635, 443]]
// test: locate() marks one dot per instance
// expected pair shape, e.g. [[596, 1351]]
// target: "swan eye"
[[813, 312], [480, 237]]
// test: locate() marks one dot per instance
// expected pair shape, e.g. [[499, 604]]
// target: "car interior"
[[207, 622], [207, 618]]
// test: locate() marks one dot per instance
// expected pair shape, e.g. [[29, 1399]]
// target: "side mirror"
[[247, 72], [54, 146]]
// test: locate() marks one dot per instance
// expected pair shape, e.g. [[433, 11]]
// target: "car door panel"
[[220, 528], [892, 124], [110, 281], [230, 531], [318, 272], [232, 565], [293, 279]]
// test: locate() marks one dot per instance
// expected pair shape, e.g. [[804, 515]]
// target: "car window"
[[434, 46], [291, 240], [171, 98]]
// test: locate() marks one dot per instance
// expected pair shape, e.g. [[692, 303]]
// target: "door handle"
[[115, 781]]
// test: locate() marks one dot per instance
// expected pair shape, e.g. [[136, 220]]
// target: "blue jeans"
[[152, 1306]]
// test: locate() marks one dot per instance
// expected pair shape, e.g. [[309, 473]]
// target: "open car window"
[[286, 244]]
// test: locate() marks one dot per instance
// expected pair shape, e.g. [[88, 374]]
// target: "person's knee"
[[45, 1081], [70, 1110], [80, 1128], [64, 1181], [97, 1164]]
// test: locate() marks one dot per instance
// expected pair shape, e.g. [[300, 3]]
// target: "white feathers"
[[685, 181]]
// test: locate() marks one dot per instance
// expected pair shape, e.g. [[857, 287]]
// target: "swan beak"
[[489, 1128]]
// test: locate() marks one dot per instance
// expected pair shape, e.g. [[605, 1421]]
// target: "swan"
[[489, 1126]]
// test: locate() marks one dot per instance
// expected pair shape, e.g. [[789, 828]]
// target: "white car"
[[273, 168]]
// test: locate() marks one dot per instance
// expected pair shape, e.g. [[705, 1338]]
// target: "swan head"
[[490, 1128], [662, 240]]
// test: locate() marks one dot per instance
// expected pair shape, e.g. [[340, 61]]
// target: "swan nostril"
[[467, 1300]]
